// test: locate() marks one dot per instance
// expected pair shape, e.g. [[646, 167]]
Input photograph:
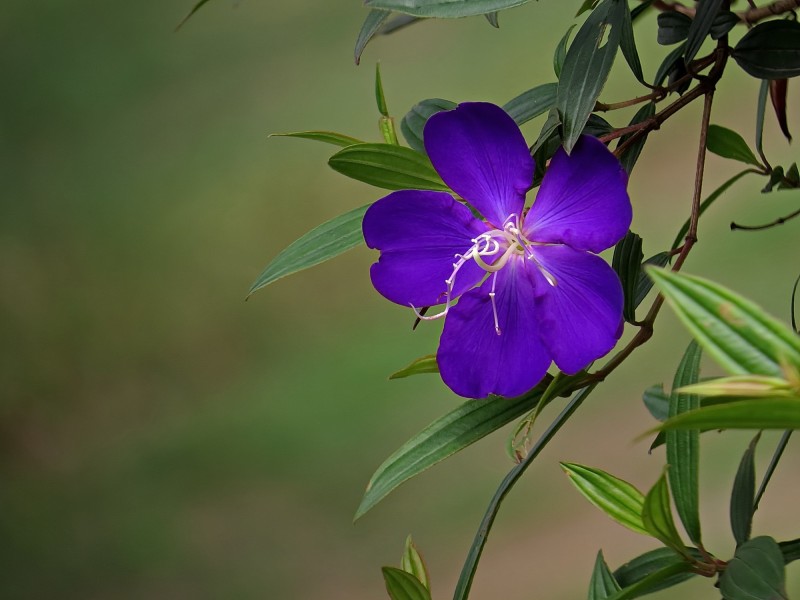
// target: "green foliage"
[[770, 50], [603, 585], [328, 137], [413, 124], [646, 573], [657, 517], [387, 166], [413, 564], [424, 364], [756, 572], [627, 263], [444, 8], [404, 586], [729, 144], [532, 103], [700, 27], [743, 495]]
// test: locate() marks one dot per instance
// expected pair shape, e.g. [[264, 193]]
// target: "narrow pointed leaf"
[[322, 243], [704, 17], [657, 402], [380, 97], [425, 364], [645, 283], [683, 446], [587, 65], [586, 5], [468, 423], [561, 52], [627, 263], [790, 550], [777, 94], [627, 44], [761, 413], [736, 332], [668, 64], [413, 124], [770, 50], [327, 137], [640, 568], [493, 19], [657, 517], [602, 585], [387, 166], [532, 103], [756, 572], [404, 586], [744, 494], [412, 563], [729, 144], [631, 155], [761, 108], [657, 580], [372, 25], [445, 9], [615, 497]]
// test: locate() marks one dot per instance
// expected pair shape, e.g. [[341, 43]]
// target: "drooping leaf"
[[322, 243], [657, 517], [736, 332], [561, 52], [706, 13], [645, 283], [468, 423], [627, 263], [387, 166], [372, 25], [640, 568], [761, 413], [683, 446], [327, 137], [631, 154], [743, 495], [770, 50], [756, 572], [627, 44], [729, 144], [425, 364], [445, 9], [412, 563], [602, 585], [532, 103], [617, 498], [673, 27], [587, 65], [404, 586], [761, 108], [413, 124]]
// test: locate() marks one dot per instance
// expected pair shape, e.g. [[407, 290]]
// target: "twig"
[[781, 221]]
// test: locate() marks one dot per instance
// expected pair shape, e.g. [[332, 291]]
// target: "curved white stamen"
[[494, 305]]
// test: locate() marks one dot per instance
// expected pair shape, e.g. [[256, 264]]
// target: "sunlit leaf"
[[387, 166], [657, 517], [412, 563], [425, 364], [761, 413]]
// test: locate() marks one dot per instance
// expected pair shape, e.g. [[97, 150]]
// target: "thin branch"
[[781, 221], [778, 7]]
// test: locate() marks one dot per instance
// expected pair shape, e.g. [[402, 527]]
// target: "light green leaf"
[[603, 585], [729, 144], [761, 413], [424, 364], [387, 166], [328, 137], [412, 563], [372, 25], [445, 9], [322, 243], [532, 103], [615, 497], [657, 517], [742, 386], [736, 332], [756, 572], [404, 586], [380, 97], [743, 494]]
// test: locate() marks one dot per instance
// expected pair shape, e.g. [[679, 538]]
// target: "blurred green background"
[[161, 438]]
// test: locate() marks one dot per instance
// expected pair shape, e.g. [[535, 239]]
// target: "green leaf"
[[756, 572], [380, 97], [587, 5], [532, 103], [744, 494], [723, 23], [587, 65], [657, 517], [372, 25], [673, 27], [603, 585], [328, 137], [761, 413], [646, 565], [707, 11], [561, 52], [645, 283], [661, 579], [683, 446], [425, 364], [627, 44], [761, 108], [404, 586], [195, 8], [387, 166], [736, 332], [615, 497], [322, 243], [413, 124], [668, 64], [412, 563], [656, 400], [632, 152], [627, 264], [770, 50], [493, 19], [790, 550], [444, 9], [729, 144], [470, 422]]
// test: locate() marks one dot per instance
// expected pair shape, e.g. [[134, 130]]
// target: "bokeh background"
[[162, 438]]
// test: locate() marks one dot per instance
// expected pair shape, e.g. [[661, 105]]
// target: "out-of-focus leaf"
[[736, 332], [654, 561], [761, 413], [195, 8], [627, 44], [404, 586], [493, 20], [445, 9], [729, 144], [645, 283], [657, 517], [706, 13], [561, 52], [425, 364], [744, 494], [777, 93], [587, 5], [372, 24], [328, 137], [723, 23], [657, 402], [683, 446], [640, 9], [631, 155], [602, 585], [387, 166], [320, 244], [615, 497], [668, 64], [412, 563], [742, 386], [673, 27], [770, 50], [470, 422], [756, 572], [587, 65], [790, 550], [413, 124], [627, 263], [532, 103]]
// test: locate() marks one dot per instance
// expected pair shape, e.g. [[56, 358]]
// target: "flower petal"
[[481, 155], [419, 233], [474, 361], [582, 313], [582, 201]]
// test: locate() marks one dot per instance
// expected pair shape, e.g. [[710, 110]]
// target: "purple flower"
[[520, 287]]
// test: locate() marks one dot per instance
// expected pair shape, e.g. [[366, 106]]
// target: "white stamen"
[[494, 305]]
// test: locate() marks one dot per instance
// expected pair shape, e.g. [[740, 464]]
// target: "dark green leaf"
[[445, 9], [195, 8], [413, 124], [404, 586], [320, 244], [587, 5], [328, 137], [632, 152], [387, 166], [412, 563], [561, 52], [587, 65], [705, 14], [372, 24], [756, 572], [627, 263], [790, 550], [645, 283], [773, 465], [770, 50], [656, 400], [628, 46], [736, 332], [657, 517], [603, 585], [673, 27], [397, 23], [775, 179], [723, 23], [492, 18], [663, 578], [470, 422], [532, 103], [760, 110], [668, 64], [683, 447], [654, 561], [743, 495], [761, 413], [425, 364], [729, 144], [640, 9]]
